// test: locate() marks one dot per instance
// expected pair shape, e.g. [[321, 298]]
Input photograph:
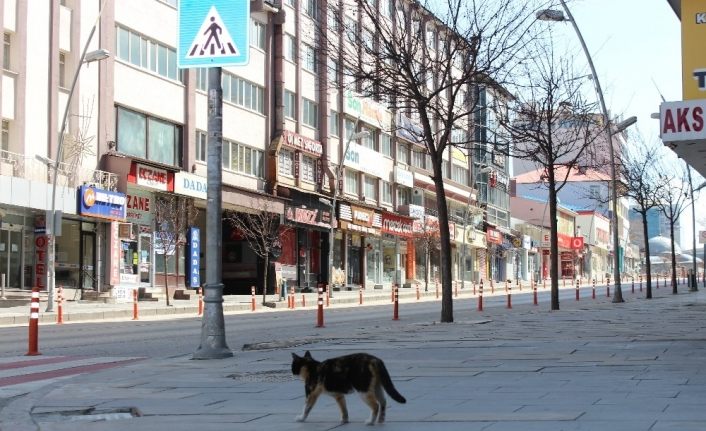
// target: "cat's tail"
[[387, 384]]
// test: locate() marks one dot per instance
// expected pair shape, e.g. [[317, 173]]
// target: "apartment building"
[[136, 136]]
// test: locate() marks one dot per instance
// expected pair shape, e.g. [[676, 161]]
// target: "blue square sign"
[[213, 33]]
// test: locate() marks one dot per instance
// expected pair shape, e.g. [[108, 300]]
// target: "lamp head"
[[550, 15], [97, 55]]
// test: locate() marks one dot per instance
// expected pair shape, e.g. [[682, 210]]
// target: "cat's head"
[[300, 363]]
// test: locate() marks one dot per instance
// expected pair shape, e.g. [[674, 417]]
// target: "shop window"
[[286, 163]]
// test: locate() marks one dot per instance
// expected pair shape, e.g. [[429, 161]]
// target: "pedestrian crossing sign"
[[213, 33]]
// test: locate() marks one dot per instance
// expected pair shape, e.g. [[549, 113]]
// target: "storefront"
[[469, 263], [496, 253], [15, 248], [396, 231], [362, 253]]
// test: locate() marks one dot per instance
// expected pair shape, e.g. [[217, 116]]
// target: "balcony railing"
[[30, 168]]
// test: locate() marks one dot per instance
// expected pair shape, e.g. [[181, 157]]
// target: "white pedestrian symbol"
[[213, 38]]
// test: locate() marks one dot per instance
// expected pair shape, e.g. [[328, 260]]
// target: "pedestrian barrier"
[[135, 311], [252, 298], [200, 301], [33, 349], [509, 296], [396, 306], [578, 286], [59, 305], [320, 311], [480, 296], [534, 288]]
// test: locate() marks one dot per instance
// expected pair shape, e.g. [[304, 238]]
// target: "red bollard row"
[[135, 310]]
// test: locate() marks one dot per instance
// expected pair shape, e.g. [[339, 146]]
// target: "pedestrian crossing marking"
[[213, 38]]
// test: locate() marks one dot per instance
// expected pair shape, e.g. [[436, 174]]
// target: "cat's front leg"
[[341, 401], [308, 404]]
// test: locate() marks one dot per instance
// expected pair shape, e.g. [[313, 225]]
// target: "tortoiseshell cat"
[[339, 376]]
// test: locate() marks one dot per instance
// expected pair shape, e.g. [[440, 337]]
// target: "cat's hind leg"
[[372, 402], [341, 401], [383, 404]]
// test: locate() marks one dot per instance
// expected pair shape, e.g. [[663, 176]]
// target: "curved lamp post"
[[86, 57], [339, 171], [558, 16]]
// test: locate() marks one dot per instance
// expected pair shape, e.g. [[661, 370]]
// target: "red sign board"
[[396, 225], [577, 243], [494, 236]]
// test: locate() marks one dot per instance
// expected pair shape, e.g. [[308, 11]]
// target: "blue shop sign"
[[100, 203], [193, 253]]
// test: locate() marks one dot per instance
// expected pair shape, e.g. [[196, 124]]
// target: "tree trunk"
[[554, 242], [674, 257], [648, 265], [445, 241], [166, 276], [264, 284]]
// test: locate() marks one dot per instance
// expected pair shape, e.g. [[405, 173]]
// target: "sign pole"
[[213, 338]]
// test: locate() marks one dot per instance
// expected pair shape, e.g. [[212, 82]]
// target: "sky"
[[636, 50]]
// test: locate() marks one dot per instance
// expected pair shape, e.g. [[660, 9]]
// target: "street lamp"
[[558, 16], [86, 57], [482, 169], [339, 171]]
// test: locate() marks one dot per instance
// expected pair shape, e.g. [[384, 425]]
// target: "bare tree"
[[425, 60], [640, 173], [673, 201], [551, 126], [426, 234], [262, 230], [172, 215]]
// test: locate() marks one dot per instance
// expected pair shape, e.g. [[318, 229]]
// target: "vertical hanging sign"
[[194, 257]]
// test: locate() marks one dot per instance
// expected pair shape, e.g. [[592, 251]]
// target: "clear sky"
[[636, 48]]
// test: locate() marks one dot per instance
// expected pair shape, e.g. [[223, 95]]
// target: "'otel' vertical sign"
[[194, 253]]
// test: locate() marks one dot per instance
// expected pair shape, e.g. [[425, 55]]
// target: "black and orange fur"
[[336, 377]]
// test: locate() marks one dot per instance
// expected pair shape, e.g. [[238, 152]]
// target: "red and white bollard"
[[480, 296], [328, 297], [593, 292], [60, 305], [519, 285], [640, 283], [396, 306], [474, 287], [534, 293], [252, 298], [360, 296], [544, 283], [34, 324], [200, 301], [633, 284], [492, 287], [607, 287], [135, 311], [417, 291], [320, 310], [292, 304], [303, 300], [509, 296], [436, 289], [455, 290], [578, 286]]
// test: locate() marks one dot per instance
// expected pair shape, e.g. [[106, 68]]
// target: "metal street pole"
[[339, 172], [213, 337], [51, 223], [693, 279]]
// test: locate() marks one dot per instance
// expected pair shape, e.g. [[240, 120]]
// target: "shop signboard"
[[151, 177], [365, 160], [494, 236], [99, 203], [404, 177], [299, 142], [367, 110], [193, 250], [139, 206], [41, 243], [114, 240], [190, 185], [396, 225], [308, 216]]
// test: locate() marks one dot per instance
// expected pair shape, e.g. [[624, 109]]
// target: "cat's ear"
[[308, 355], [294, 356]]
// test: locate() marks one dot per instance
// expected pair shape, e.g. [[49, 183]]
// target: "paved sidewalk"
[[591, 366]]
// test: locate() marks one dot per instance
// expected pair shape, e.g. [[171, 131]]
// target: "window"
[[351, 24], [5, 136], [308, 58], [286, 162], [349, 125], [418, 159], [290, 105], [332, 71], [333, 124], [386, 192], [202, 78], [290, 48], [371, 188], [459, 174], [367, 37], [403, 196], [386, 144], [243, 93], [257, 34], [351, 182], [310, 8], [430, 37], [149, 138], [368, 141], [146, 53], [62, 70], [308, 172], [349, 78], [201, 145], [402, 153], [310, 114], [290, 2], [243, 159], [332, 17], [6, 51]]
